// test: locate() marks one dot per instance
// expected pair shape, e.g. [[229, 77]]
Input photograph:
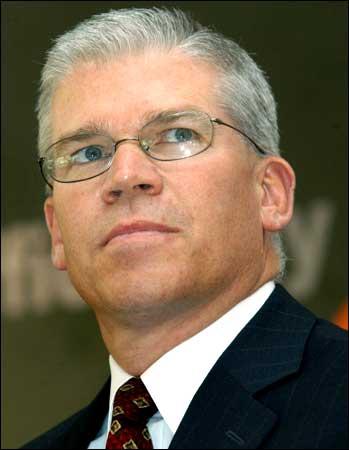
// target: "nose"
[[132, 173]]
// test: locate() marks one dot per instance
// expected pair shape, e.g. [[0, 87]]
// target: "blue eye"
[[177, 135], [88, 154]]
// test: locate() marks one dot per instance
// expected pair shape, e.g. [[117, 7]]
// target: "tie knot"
[[133, 402]]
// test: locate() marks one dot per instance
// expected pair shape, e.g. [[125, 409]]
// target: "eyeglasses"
[[169, 137]]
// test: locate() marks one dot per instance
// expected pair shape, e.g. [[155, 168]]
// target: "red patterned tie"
[[132, 408]]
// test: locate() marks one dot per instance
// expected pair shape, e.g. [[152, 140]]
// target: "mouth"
[[139, 230]]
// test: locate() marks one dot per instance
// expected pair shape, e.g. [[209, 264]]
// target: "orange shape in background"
[[340, 318]]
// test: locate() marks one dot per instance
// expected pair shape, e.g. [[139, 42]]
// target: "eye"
[[88, 154], [177, 135]]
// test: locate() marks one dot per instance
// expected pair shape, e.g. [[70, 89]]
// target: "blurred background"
[[53, 358]]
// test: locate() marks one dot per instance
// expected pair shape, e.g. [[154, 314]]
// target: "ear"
[[278, 182], [57, 247]]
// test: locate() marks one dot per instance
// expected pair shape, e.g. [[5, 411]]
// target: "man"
[[158, 141]]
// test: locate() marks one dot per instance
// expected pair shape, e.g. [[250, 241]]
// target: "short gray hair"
[[242, 89]]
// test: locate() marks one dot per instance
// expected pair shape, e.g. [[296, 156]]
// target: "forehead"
[[125, 91]]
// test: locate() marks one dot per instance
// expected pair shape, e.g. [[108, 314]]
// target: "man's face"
[[212, 198]]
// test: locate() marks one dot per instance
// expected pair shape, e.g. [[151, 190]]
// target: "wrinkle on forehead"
[[186, 79], [107, 127]]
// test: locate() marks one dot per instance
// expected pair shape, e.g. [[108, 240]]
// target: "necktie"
[[132, 408]]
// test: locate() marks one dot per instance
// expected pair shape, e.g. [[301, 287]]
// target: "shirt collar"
[[173, 379]]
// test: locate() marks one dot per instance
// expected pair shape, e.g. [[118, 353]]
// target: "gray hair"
[[242, 89]]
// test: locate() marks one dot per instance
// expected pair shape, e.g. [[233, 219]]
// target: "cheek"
[[223, 207], [76, 222]]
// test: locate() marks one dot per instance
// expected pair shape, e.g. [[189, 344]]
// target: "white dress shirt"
[[173, 380]]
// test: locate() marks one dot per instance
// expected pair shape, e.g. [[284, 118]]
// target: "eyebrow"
[[90, 127], [105, 127]]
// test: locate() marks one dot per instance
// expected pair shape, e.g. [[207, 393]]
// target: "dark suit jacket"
[[281, 384]]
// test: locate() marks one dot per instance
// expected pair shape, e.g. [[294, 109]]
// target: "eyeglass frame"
[[116, 144]]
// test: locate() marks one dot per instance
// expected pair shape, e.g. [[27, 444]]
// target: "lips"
[[138, 226]]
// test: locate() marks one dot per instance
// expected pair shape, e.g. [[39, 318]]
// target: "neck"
[[137, 344]]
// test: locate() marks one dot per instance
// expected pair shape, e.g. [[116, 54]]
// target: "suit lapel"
[[223, 417], [224, 412]]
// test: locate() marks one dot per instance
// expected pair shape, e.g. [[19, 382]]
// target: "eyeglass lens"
[[173, 136]]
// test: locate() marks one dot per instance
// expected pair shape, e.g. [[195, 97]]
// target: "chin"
[[149, 301]]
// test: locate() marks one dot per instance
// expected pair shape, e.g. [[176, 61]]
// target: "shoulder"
[[79, 429], [57, 437], [328, 346], [326, 331], [319, 394], [312, 399]]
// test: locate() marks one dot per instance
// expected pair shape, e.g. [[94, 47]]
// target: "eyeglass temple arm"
[[220, 122], [40, 161]]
